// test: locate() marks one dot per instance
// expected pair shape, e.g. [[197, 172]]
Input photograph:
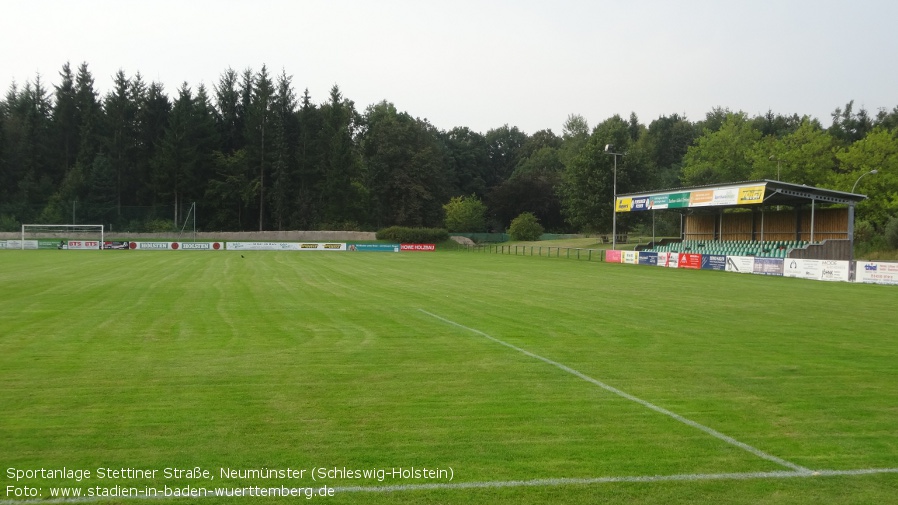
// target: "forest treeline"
[[254, 155]]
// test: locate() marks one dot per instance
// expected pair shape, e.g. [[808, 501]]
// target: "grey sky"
[[482, 64]]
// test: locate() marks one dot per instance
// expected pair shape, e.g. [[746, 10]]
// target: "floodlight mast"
[[609, 149]]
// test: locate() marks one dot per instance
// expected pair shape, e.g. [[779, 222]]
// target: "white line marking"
[[714, 433], [523, 483], [606, 480]]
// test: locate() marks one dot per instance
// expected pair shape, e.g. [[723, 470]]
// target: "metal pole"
[[614, 208], [812, 220]]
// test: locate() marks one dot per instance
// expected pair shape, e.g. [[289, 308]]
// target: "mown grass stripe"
[[711, 431]]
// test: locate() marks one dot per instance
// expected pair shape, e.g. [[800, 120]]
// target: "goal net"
[[62, 236]]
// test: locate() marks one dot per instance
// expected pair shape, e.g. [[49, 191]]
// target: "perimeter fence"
[[575, 253]]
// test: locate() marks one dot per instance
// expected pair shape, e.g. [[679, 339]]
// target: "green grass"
[[184, 359]]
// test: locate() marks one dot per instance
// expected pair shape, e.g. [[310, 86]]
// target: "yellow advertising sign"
[[751, 194], [623, 204]]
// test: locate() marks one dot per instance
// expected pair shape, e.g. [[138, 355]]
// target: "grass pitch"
[[367, 362]]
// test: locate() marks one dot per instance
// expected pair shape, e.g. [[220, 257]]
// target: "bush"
[[863, 231], [891, 233], [406, 235], [525, 227], [9, 223], [465, 214]]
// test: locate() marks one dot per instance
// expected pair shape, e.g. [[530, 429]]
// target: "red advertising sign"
[[418, 247], [690, 260], [83, 244], [612, 256]]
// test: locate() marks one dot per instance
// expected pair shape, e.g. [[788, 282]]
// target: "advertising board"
[[876, 272], [373, 247], [612, 256], [714, 262], [689, 260], [418, 247], [768, 266]]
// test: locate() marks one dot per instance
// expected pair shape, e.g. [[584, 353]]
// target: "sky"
[[484, 64]]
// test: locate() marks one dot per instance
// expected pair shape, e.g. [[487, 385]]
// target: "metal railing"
[[576, 253]]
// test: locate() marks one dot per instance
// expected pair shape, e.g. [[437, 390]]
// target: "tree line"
[[254, 155]]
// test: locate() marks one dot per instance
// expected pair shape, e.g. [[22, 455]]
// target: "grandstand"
[[767, 249], [764, 218]]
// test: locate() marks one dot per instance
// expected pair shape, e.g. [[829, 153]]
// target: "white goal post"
[[79, 236]]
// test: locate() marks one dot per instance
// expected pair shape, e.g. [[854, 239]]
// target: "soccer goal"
[[62, 236]]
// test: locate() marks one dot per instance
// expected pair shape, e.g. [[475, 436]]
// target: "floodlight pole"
[[873, 172], [609, 149]]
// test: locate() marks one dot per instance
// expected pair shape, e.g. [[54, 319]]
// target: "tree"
[[341, 187], [849, 126], [805, 156], [121, 117], [877, 150], [722, 156], [525, 227], [258, 117], [465, 214], [504, 147], [403, 159], [285, 128], [467, 161], [309, 202], [587, 189]]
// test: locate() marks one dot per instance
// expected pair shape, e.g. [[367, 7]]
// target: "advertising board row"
[[740, 194], [820, 270], [212, 246]]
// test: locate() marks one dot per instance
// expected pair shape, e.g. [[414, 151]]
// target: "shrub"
[[465, 214], [525, 227], [891, 233], [407, 235], [863, 231]]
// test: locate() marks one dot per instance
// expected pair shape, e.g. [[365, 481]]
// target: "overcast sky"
[[486, 63]]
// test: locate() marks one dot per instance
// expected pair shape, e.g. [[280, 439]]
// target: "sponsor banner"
[[740, 264], [751, 195], [17, 244], [285, 246], [720, 196], [701, 198], [678, 200], [659, 201], [116, 245], [642, 203], [613, 256], [150, 246], [818, 270], [876, 272], [50, 244], [2, 244], [648, 258], [629, 257], [673, 260], [725, 196], [418, 247], [373, 247], [714, 262], [663, 257], [624, 204], [689, 260], [196, 246], [768, 266], [82, 244]]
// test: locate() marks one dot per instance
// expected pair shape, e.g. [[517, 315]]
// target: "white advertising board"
[[286, 246], [740, 264], [876, 272], [818, 270]]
